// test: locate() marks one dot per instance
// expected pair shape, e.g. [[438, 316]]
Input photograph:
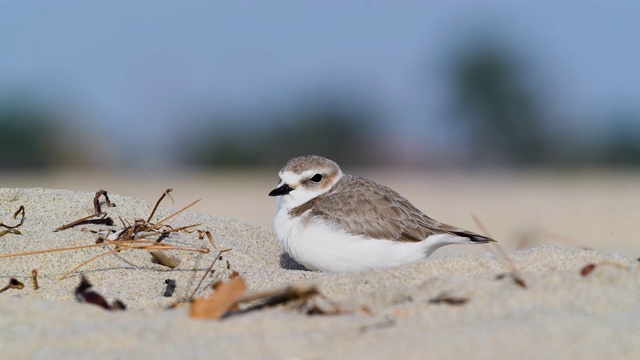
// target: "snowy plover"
[[334, 222]]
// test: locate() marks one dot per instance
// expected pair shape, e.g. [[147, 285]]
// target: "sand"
[[560, 313]]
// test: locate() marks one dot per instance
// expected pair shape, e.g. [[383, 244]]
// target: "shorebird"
[[334, 222]]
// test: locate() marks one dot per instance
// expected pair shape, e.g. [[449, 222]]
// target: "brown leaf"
[[92, 297], [220, 302], [587, 269], [84, 294]]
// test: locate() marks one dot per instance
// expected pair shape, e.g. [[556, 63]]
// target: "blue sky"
[[133, 67]]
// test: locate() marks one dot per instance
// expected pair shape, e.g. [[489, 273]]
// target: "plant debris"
[[12, 228], [118, 305], [142, 235], [201, 235], [386, 323], [171, 287], [319, 305], [34, 278], [96, 201], [224, 299], [587, 269], [165, 259], [207, 272], [228, 296], [514, 276], [102, 220], [268, 298], [9, 231], [445, 298], [13, 284], [85, 295], [234, 273]]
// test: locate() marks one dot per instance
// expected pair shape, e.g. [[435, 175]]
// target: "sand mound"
[[560, 313]]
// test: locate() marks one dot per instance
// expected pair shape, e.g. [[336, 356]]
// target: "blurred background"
[[525, 113]]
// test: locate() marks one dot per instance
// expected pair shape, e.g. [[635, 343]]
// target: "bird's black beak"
[[282, 190]]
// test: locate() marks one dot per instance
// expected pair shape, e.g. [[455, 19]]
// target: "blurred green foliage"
[[27, 137], [328, 130], [498, 107], [622, 146]]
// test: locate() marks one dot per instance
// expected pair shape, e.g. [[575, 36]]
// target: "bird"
[[333, 222]]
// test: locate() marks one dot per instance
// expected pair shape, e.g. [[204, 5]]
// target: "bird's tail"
[[435, 242], [476, 238]]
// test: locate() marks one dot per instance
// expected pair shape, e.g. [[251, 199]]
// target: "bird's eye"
[[316, 178]]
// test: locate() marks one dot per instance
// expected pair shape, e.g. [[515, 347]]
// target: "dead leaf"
[[587, 269], [220, 302], [84, 294]]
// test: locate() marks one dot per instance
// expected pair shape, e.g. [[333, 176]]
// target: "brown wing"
[[378, 212]]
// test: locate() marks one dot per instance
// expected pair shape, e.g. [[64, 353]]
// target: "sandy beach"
[[482, 313]]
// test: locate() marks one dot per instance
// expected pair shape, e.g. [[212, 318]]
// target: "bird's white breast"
[[321, 247]]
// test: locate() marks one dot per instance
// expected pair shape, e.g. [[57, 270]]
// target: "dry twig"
[[9, 231], [20, 212], [166, 193], [96, 201], [34, 278], [103, 220], [513, 274], [207, 272], [141, 235], [445, 298]]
